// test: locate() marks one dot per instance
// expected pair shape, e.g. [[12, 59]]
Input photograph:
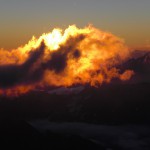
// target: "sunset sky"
[[21, 19]]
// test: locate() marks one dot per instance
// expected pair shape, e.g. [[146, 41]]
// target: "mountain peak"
[[146, 58]]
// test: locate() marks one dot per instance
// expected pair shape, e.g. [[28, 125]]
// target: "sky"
[[21, 19]]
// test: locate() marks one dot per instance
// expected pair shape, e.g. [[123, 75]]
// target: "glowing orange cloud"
[[63, 58]]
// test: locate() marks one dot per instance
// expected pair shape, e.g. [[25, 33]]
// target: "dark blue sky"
[[20, 19]]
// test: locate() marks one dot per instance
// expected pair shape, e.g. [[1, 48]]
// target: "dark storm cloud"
[[76, 53], [11, 75], [15, 74], [59, 58], [58, 61]]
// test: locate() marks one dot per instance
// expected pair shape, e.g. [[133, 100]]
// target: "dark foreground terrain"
[[113, 104], [116, 115]]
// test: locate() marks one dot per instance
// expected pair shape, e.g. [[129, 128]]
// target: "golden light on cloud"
[[63, 58]]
